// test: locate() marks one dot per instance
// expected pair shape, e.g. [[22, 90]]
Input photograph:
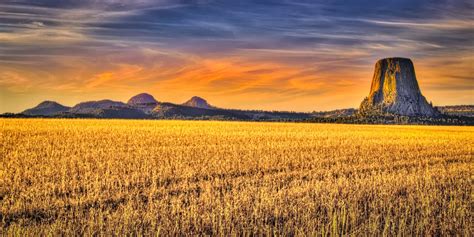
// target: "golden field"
[[114, 177]]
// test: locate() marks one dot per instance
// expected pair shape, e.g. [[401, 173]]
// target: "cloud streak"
[[291, 55]]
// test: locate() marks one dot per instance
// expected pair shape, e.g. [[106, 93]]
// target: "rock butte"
[[395, 90]]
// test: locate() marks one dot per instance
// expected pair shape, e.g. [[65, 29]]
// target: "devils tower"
[[395, 90]]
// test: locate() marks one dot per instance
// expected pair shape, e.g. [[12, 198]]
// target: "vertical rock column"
[[395, 90]]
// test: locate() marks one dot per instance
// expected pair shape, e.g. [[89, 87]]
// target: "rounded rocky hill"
[[141, 99], [198, 102], [47, 108]]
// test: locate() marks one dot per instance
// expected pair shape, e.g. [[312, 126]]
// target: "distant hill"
[[47, 108], [94, 107], [335, 113], [143, 102], [457, 110], [142, 98], [169, 110], [104, 109], [145, 106], [198, 102]]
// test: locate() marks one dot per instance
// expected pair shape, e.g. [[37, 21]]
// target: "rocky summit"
[[395, 90], [198, 102], [141, 99], [143, 102]]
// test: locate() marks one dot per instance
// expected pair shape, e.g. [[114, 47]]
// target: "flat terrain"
[[198, 177]]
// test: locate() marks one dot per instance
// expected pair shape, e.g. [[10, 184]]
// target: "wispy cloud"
[[434, 25], [278, 53]]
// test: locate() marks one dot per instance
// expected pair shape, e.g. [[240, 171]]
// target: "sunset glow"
[[272, 55]]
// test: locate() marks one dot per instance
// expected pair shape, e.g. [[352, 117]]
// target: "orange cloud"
[[249, 80]]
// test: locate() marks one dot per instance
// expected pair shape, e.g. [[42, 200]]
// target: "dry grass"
[[233, 178]]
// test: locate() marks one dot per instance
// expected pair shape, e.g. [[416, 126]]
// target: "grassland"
[[233, 178]]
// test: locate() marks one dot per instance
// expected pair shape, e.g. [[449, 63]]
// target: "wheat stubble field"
[[233, 178]]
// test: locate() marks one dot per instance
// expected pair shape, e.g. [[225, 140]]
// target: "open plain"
[[60, 176]]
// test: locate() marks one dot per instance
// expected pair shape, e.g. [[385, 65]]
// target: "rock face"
[[198, 102], [46, 108], [395, 90], [142, 98], [144, 102]]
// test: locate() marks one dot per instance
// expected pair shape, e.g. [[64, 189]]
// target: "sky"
[[274, 55]]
